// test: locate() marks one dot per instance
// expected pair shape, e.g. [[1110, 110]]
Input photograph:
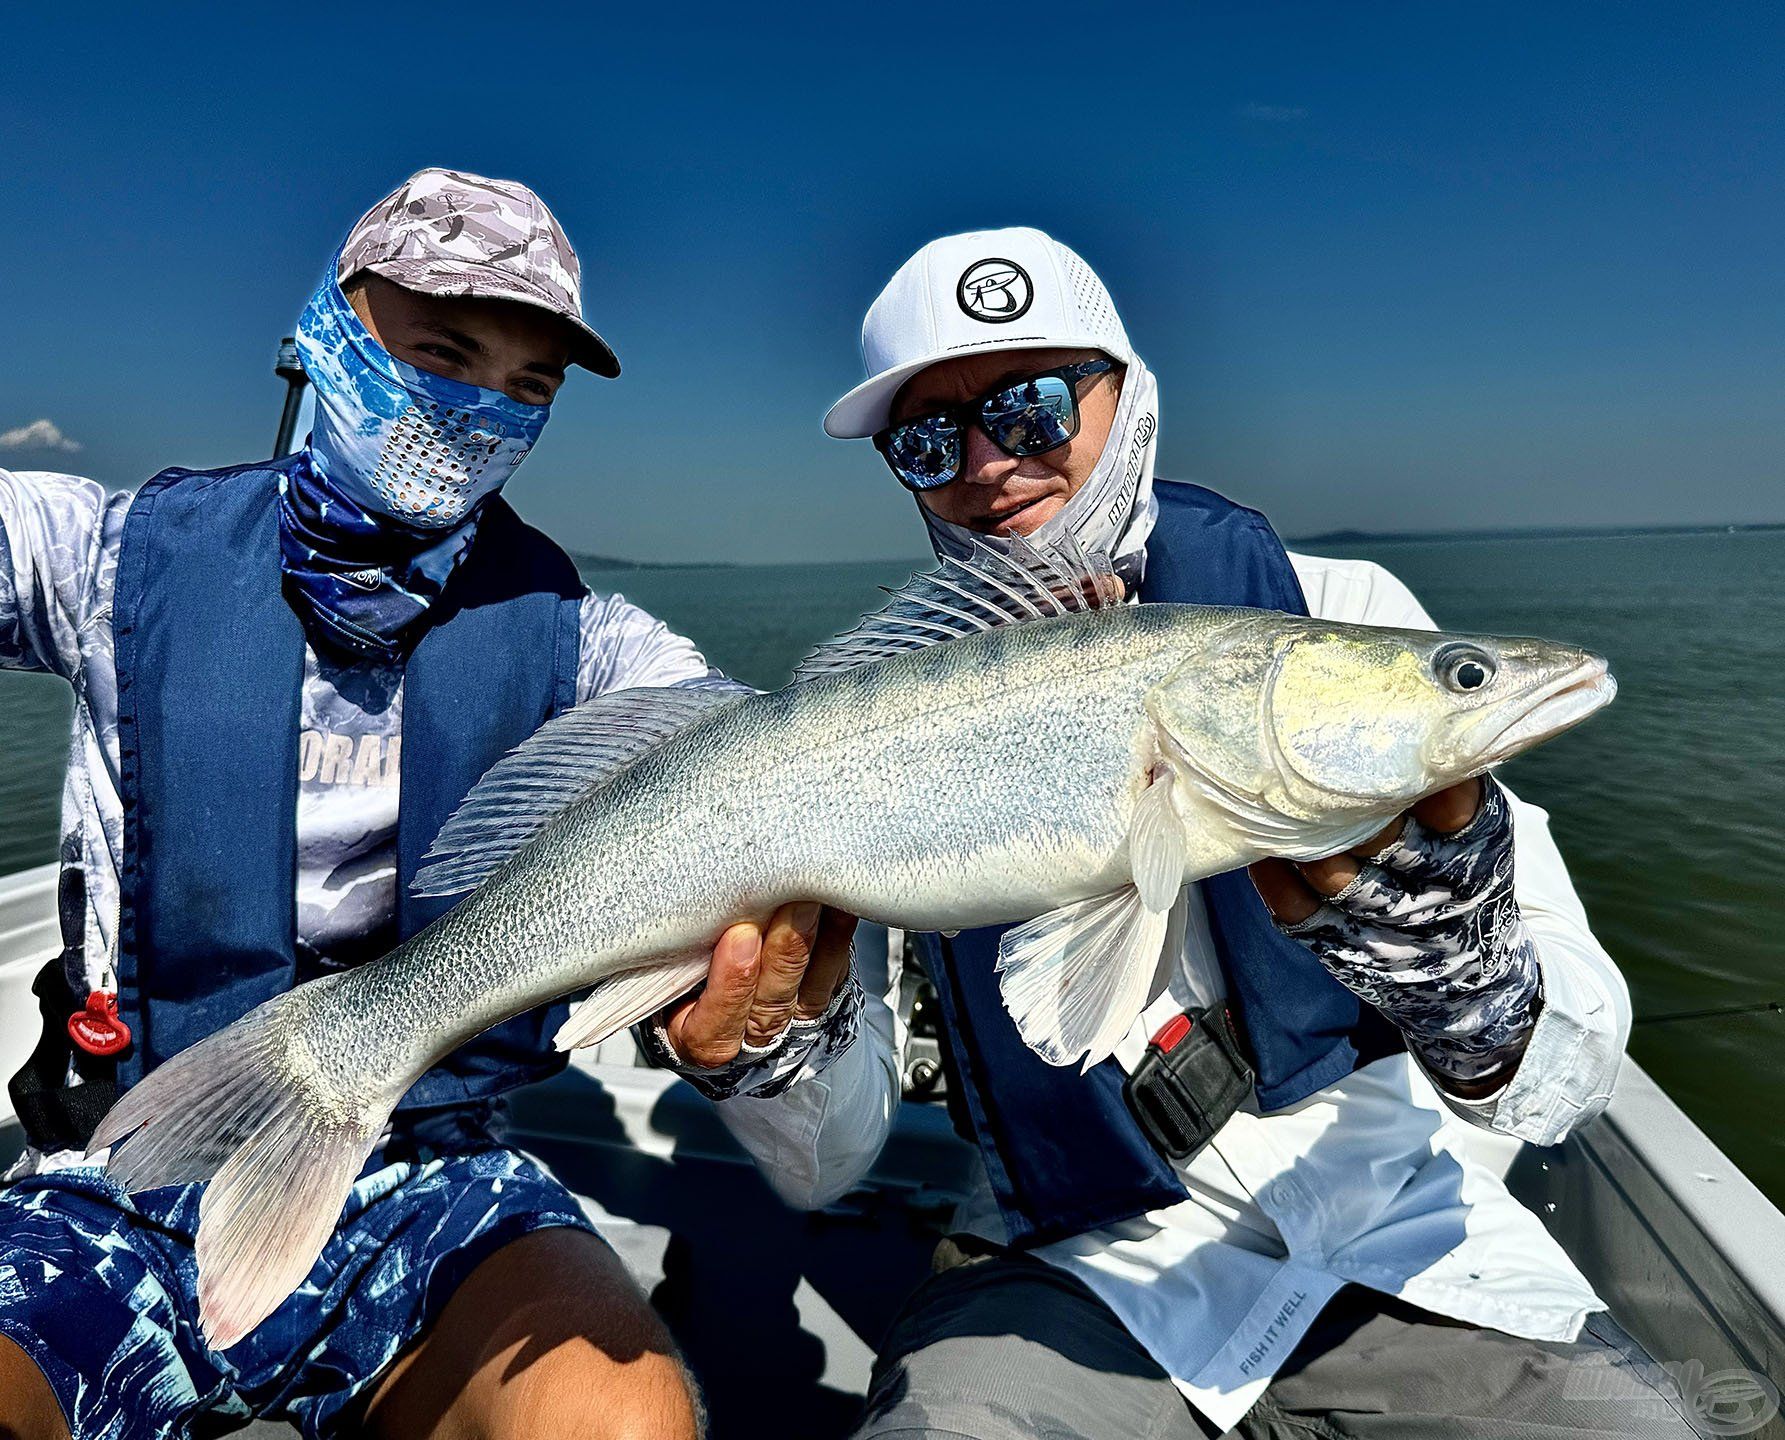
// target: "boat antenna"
[[291, 370]]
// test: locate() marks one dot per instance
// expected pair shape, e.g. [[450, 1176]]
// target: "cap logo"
[[995, 291]]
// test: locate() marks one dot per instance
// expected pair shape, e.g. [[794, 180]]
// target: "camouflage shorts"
[[98, 1288]]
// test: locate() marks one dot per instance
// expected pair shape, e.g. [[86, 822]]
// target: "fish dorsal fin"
[[989, 589], [562, 760]]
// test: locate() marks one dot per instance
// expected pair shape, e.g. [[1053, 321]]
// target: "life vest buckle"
[[1191, 1079]]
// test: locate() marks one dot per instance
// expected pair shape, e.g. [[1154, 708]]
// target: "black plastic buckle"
[[1192, 1078]]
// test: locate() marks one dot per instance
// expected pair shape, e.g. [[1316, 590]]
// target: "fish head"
[[1396, 714], [1312, 729]]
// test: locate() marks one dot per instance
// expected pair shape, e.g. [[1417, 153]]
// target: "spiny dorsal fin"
[[563, 759], [963, 597]]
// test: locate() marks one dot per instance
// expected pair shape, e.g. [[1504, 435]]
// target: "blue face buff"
[[384, 503]]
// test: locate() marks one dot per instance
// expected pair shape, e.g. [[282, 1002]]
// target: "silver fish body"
[[978, 782], [1079, 768]]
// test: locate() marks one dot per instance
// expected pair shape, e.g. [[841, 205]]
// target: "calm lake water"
[[1668, 806]]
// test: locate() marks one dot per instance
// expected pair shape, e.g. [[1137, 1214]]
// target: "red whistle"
[[97, 1029]]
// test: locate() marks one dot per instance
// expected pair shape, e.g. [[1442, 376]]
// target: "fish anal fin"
[[627, 998], [1075, 978]]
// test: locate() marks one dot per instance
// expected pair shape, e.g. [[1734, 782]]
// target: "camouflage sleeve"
[[1430, 934], [624, 646], [50, 557]]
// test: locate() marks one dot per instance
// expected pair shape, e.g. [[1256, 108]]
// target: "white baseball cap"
[[1014, 289]]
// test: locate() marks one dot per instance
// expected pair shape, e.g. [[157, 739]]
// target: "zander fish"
[[1002, 741]]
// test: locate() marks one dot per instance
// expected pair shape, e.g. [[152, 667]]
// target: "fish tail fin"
[[280, 1153]]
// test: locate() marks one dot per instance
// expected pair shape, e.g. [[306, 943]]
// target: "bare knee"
[[564, 1397], [28, 1408], [548, 1337]]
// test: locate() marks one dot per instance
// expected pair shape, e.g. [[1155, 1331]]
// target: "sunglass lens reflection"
[[926, 453], [1032, 418]]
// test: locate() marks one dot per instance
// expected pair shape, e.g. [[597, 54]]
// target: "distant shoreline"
[[586, 561], [1522, 532]]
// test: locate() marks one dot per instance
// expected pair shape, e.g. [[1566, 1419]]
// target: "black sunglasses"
[[1021, 417]]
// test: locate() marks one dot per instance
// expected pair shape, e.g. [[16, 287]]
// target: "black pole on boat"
[[1715, 1012], [291, 370]]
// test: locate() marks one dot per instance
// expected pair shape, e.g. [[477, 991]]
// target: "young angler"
[[287, 676], [1313, 1252]]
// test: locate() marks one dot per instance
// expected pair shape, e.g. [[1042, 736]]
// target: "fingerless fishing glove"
[[805, 1047], [1430, 934]]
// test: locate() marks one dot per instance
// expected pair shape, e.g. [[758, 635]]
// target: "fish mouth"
[[1560, 705]]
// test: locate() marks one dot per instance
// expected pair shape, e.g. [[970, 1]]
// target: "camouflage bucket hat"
[[444, 232]]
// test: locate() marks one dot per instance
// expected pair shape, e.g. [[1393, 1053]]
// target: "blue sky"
[[1397, 267]]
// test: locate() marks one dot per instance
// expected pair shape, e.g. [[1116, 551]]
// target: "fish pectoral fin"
[[628, 997], [1158, 846], [1075, 978]]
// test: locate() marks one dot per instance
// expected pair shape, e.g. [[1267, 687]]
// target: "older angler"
[[287, 675], [1258, 1218]]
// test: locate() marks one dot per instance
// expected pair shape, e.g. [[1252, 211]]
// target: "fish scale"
[[649, 865]]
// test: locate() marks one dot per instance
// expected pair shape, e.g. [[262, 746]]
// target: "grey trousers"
[[1010, 1347]]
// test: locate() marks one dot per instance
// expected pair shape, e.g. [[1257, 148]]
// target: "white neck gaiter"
[[1114, 510]]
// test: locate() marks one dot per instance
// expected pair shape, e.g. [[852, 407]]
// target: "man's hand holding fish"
[[771, 993]]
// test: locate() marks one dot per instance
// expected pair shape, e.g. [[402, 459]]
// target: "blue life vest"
[[210, 661], [1062, 1151]]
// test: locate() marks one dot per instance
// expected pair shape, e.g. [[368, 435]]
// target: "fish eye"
[[1463, 667]]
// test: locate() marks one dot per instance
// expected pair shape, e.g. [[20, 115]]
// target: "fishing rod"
[[1715, 1012], [291, 370]]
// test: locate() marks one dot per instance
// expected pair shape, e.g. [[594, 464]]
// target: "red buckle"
[[97, 1029], [1172, 1034]]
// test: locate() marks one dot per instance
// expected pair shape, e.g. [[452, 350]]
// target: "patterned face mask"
[[420, 448], [382, 504]]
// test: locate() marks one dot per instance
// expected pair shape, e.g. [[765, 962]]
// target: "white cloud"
[[1278, 113], [38, 435]]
